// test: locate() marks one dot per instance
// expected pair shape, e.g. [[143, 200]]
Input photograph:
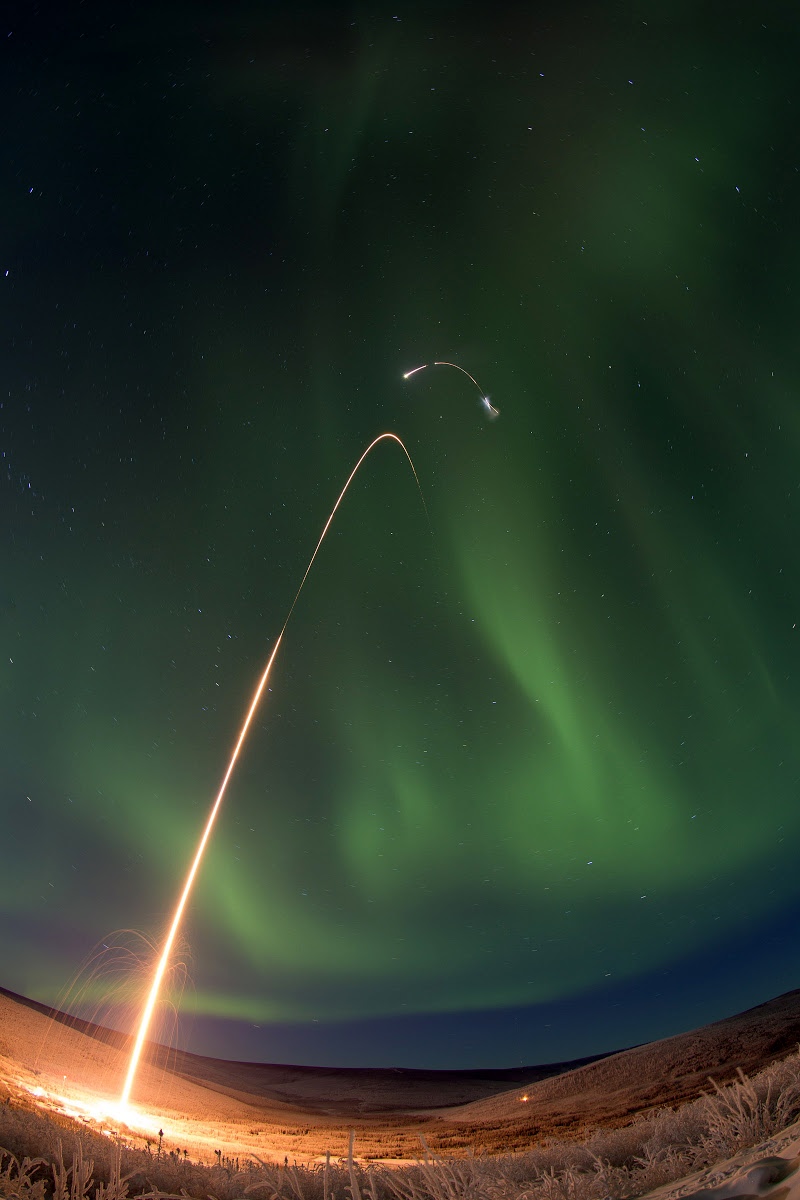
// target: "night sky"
[[526, 783]]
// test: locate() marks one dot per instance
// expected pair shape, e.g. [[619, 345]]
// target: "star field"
[[524, 785]]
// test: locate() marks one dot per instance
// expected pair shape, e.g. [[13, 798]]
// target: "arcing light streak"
[[491, 411], [163, 962]]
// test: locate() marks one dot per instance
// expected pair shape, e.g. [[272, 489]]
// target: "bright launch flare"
[[488, 407], [163, 962]]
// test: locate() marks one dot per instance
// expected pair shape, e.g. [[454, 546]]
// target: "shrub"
[[613, 1164]]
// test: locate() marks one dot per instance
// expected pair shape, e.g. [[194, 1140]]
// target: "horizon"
[[523, 784], [84, 1024]]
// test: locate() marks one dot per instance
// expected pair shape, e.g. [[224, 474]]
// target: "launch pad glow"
[[158, 976]]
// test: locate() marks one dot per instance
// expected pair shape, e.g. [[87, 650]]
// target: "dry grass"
[[267, 1111], [51, 1159]]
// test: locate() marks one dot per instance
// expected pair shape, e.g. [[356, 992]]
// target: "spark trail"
[[163, 962], [488, 407]]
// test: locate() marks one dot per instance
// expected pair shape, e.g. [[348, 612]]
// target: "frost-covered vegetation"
[[43, 1160]]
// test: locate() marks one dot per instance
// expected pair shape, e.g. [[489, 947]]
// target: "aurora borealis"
[[525, 786]]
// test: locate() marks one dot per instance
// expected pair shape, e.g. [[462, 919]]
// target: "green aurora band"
[[549, 750]]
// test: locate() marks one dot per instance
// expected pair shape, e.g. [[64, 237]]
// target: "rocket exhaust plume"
[[490, 410], [166, 950]]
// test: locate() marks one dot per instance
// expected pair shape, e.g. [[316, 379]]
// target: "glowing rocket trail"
[[489, 408], [163, 962]]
